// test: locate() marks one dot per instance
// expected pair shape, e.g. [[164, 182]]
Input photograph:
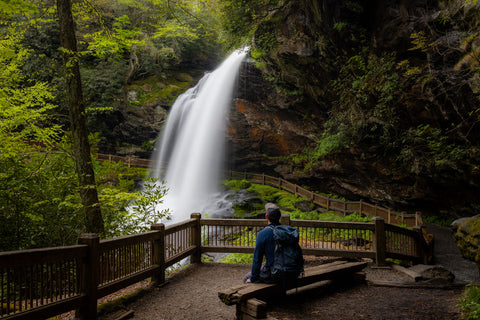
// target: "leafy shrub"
[[470, 303]]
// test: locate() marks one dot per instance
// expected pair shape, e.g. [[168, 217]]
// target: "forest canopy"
[[118, 42]]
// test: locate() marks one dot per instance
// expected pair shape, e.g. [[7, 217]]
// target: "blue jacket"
[[264, 246]]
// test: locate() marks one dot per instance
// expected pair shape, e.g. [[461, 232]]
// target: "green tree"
[[28, 134], [81, 145]]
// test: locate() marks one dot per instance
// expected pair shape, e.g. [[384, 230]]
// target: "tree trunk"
[[81, 145]]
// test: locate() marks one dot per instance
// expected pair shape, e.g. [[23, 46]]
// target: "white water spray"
[[190, 153]]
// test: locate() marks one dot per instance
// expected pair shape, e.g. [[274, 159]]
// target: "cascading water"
[[190, 154]]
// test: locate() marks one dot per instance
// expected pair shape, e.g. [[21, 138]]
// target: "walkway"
[[193, 295], [447, 254]]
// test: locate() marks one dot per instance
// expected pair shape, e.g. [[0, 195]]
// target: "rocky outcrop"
[[282, 110], [134, 125]]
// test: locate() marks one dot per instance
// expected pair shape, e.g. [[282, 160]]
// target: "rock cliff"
[[413, 141]]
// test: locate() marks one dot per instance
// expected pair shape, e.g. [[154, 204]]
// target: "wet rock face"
[[264, 123], [285, 99], [467, 237]]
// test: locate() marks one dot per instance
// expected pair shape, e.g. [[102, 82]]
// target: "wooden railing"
[[42, 283], [129, 161], [330, 204]]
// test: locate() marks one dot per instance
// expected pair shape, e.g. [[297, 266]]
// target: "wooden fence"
[[41, 283], [330, 204], [128, 161]]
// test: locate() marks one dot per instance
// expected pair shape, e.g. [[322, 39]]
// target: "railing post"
[[159, 254], [379, 241], [285, 219], [361, 207], [417, 218], [89, 273], [197, 238], [420, 245]]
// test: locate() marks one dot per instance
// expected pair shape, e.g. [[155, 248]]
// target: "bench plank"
[[326, 271]]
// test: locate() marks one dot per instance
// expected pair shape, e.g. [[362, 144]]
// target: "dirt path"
[[192, 294]]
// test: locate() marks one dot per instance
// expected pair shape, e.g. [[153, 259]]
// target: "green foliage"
[[132, 212], [38, 200], [420, 41], [425, 148], [241, 18], [328, 145], [470, 302], [366, 112], [238, 258], [237, 184], [244, 238], [368, 87], [118, 41], [286, 201], [29, 200], [442, 221]]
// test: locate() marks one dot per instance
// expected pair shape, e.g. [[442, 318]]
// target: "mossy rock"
[[467, 238]]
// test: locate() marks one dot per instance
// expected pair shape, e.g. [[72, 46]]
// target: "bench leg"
[[251, 309]]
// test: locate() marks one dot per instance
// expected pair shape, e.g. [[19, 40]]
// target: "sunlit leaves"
[[25, 107], [116, 42], [8, 8]]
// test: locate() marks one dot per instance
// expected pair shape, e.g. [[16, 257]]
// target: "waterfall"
[[189, 155]]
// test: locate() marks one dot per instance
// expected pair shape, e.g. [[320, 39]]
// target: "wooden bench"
[[245, 295]]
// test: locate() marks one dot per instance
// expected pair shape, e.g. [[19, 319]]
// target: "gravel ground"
[[193, 294]]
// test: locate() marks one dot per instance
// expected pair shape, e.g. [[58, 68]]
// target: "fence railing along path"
[[41, 283], [330, 204]]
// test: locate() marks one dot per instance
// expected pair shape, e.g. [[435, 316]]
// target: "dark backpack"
[[288, 262]]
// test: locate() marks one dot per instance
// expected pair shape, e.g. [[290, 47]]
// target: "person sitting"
[[264, 247]]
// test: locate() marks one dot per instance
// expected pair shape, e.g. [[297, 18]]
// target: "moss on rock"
[[467, 237]]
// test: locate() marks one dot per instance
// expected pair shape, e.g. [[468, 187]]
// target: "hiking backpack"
[[288, 262]]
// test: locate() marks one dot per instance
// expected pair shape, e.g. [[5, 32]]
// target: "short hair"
[[273, 212]]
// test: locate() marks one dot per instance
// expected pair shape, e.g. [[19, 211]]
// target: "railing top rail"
[[333, 224], [397, 229], [118, 242], [230, 222], [10, 259], [179, 226]]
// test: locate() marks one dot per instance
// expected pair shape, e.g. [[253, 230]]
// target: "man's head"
[[273, 212]]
